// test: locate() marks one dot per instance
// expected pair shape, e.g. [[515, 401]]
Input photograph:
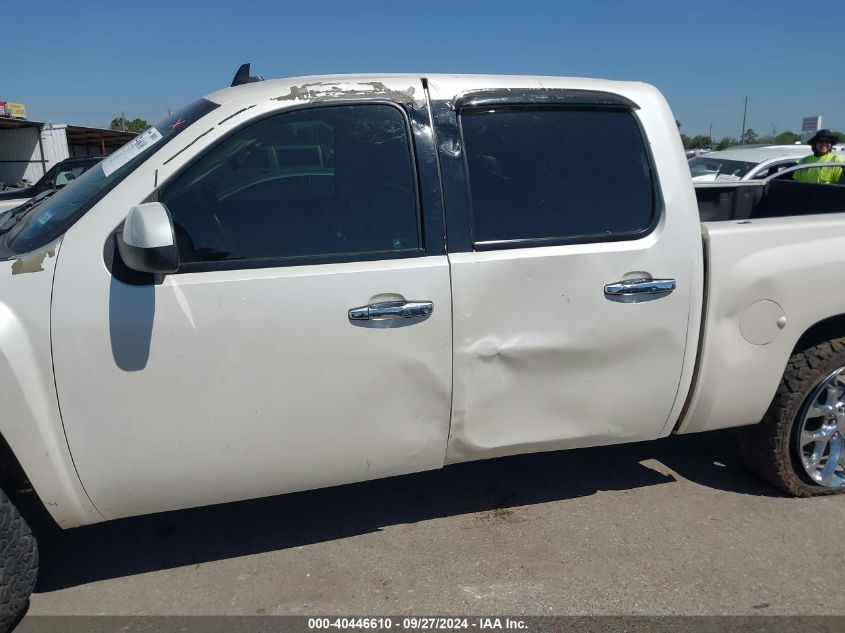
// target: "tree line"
[[125, 125], [702, 141]]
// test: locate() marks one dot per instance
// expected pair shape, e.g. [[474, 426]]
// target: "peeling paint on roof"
[[325, 91]]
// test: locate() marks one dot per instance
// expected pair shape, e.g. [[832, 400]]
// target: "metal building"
[[29, 148]]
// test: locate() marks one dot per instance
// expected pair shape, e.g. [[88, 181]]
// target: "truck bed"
[[769, 279], [773, 199]]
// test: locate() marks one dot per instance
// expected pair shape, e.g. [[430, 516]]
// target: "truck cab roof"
[[340, 87]]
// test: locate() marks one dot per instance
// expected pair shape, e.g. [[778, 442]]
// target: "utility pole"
[[123, 120], [710, 135], [744, 113]]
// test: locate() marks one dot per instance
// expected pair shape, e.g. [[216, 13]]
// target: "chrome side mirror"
[[148, 241]]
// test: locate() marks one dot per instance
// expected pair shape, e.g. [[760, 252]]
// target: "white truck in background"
[[305, 282]]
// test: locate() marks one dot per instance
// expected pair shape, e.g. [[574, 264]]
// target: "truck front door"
[[245, 374]]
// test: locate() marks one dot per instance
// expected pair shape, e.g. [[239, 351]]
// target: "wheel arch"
[[824, 330], [31, 428]]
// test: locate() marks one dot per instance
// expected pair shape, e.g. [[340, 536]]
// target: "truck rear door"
[[573, 267]]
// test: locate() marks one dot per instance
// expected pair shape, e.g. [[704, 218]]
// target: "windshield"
[[49, 215], [719, 168]]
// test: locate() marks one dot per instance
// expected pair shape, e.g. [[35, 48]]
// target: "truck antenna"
[[242, 76]]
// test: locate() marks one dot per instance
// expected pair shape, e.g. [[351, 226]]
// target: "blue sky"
[[86, 62]]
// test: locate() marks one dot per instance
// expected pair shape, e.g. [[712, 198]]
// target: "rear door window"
[[540, 175]]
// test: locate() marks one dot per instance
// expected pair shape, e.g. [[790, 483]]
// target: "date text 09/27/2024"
[[416, 623]]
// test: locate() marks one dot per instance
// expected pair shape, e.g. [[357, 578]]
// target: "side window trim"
[[543, 96], [452, 177], [302, 260], [428, 176], [520, 103], [427, 197]]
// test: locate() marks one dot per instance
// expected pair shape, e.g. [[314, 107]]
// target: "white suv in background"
[[751, 162]]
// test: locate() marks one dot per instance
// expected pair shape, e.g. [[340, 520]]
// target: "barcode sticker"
[[115, 161]]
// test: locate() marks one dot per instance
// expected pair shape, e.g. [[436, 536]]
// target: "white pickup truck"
[[305, 282]]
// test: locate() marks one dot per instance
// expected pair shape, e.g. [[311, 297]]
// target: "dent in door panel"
[[556, 371]]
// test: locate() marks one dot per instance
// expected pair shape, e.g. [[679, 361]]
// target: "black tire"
[[770, 447], [18, 564]]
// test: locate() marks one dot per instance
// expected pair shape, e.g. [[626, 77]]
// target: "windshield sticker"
[[129, 151]]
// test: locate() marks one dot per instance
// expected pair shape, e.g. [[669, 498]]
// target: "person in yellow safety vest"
[[822, 144]]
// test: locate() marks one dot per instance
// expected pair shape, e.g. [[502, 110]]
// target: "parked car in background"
[[58, 176], [751, 162]]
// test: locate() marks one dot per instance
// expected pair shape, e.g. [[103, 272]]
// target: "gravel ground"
[[668, 527]]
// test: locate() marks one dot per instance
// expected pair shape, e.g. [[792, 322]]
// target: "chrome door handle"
[[638, 290], [392, 310]]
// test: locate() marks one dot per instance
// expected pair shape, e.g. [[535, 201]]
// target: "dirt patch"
[[500, 515]]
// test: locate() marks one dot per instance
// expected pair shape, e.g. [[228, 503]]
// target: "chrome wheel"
[[821, 434]]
